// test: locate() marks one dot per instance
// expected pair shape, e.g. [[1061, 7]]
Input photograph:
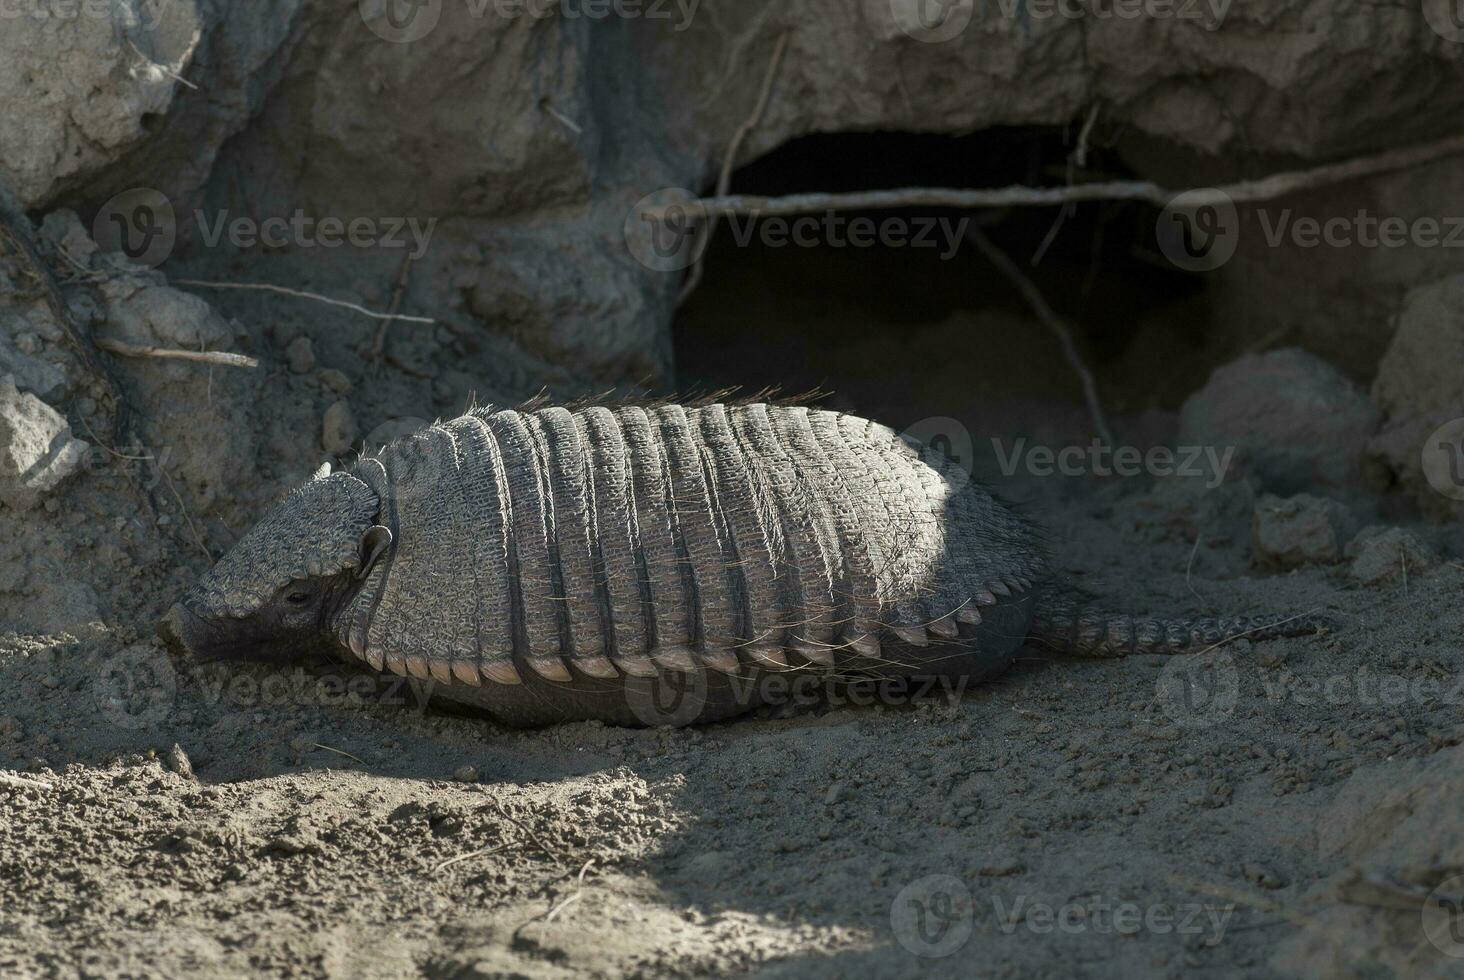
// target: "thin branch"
[[202, 356], [268, 287], [378, 342], [724, 178], [1246, 191], [1049, 319], [327, 748], [23, 782], [480, 852], [18, 239], [183, 509]]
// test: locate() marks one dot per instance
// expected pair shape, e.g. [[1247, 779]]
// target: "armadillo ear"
[[323, 472], [374, 544]]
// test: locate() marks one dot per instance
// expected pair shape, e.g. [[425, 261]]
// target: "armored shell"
[[610, 541]]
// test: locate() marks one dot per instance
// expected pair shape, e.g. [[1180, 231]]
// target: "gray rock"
[[1296, 423], [1383, 554], [1418, 387], [1299, 530], [338, 431], [37, 451], [301, 355]]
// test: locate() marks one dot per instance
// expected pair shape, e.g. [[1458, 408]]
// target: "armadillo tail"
[[1066, 623]]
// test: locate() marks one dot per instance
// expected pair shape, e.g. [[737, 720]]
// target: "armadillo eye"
[[298, 598]]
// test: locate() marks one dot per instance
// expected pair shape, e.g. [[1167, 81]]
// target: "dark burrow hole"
[[909, 331]]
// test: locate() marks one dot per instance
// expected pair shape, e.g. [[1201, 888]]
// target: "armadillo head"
[[279, 591]]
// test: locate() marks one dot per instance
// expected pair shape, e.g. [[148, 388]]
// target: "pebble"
[[179, 762], [465, 774], [338, 430], [1302, 530], [335, 380], [301, 355]]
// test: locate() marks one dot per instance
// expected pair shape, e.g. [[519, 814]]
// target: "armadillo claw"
[[866, 645], [969, 615], [999, 587]]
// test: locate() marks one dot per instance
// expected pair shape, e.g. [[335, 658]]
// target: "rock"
[[1299, 530], [63, 229], [202, 420], [336, 381], [18, 358], [300, 355], [338, 431], [1296, 423], [1381, 554], [465, 774], [179, 762], [37, 450], [1418, 389]]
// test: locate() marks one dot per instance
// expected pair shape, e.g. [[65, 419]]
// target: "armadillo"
[[537, 565]]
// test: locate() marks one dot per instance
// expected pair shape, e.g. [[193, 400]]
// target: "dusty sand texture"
[[1267, 810]]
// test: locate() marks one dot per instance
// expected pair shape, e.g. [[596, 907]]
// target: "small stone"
[[301, 355], [1293, 420], [37, 450], [335, 380], [338, 432], [835, 791], [179, 762], [465, 774], [1383, 554], [1002, 868], [1260, 874], [1299, 530], [1271, 655]]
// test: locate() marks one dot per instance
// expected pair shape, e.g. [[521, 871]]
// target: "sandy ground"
[[1070, 819], [1271, 809]]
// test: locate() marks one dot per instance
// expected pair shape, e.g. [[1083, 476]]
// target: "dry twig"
[[378, 342], [1242, 192], [724, 178], [302, 294], [23, 782], [225, 358], [18, 240], [1052, 321]]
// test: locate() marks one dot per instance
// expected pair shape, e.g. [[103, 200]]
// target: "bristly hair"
[[692, 398]]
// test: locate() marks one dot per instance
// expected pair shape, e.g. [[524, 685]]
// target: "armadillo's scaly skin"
[[542, 556]]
